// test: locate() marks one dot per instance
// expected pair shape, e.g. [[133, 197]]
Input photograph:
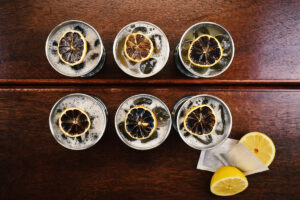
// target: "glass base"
[[99, 66], [180, 66]]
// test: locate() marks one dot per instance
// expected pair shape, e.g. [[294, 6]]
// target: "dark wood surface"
[[261, 87], [265, 33], [34, 166]]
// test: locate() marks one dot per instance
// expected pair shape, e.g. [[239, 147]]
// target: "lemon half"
[[261, 145], [228, 181]]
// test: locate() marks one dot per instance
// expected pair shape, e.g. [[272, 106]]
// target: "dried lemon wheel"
[[140, 122], [200, 120], [74, 122], [205, 51], [138, 47], [72, 48]]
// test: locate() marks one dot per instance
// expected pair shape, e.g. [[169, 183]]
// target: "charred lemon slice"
[[205, 51], [72, 48], [200, 120], [140, 122], [74, 122], [138, 47]]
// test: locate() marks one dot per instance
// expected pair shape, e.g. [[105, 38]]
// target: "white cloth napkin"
[[230, 153]]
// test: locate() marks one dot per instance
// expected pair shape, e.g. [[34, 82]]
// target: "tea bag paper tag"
[[242, 158], [209, 161], [231, 153]]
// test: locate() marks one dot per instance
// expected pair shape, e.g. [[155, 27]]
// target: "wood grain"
[[34, 166], [266, 36], [261, 88]]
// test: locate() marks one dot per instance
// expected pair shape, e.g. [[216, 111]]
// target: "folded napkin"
[[230, 153]]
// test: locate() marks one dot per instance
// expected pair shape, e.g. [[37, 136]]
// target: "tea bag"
[[231, 153]]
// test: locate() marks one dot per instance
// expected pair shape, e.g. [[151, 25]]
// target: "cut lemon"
[[140, 122], [205, 51], [228, 181], [72, 48], [74, 122], [138, 47], [261, 145], [200, 120]]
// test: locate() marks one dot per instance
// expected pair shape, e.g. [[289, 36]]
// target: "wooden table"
[[261, 88]]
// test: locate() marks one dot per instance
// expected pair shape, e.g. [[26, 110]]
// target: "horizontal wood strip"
[[36, 167], [145, 81], [265, 33]]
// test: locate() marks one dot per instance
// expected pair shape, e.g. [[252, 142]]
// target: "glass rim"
[[115, 48], [210, 96], [62, 24], [98, 100], [143, 95], [187, 31]]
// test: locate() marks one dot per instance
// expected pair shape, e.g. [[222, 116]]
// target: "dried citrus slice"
[[140, 122], [74, 122], [205, 51], [261, 145], [200, 120], [138, 47], [228, 181], [72, 48]]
